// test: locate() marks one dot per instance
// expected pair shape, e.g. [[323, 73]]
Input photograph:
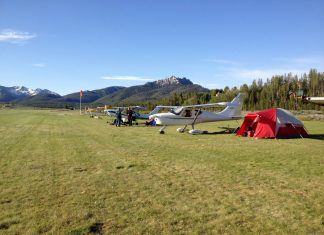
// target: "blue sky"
[[65, 46]]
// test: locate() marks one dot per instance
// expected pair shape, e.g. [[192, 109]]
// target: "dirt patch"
[[4, 226], [96, 228]]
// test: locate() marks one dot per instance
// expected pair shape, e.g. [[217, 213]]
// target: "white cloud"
[[224, 62], [235, 73], [126, 78], [295, 66], [39, 65], [13, 36], [314, 61], [211, 85], [264, 73], [308, 60]]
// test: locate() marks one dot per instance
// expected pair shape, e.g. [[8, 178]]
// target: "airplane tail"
[[234, 108]]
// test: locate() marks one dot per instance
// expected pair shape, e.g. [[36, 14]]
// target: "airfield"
[[65, 173]]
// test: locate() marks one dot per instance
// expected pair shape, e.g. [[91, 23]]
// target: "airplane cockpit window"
[[177, 111], [186, 113]]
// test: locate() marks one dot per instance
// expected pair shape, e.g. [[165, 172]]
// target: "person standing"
[[118, 117], [130, 116]]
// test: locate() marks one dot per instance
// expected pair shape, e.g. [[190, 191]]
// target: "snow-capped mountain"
[[8, 94], [21, 90]]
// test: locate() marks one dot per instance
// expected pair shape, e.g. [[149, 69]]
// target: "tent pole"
[[297, 131]]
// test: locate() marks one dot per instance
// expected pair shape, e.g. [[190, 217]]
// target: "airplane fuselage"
[[315, 100], [167, 119]]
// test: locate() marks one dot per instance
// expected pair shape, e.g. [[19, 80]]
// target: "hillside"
[[151, 91], [90, 96]]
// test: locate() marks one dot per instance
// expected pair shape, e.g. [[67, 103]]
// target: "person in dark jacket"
[[130, 116], [118, 117]]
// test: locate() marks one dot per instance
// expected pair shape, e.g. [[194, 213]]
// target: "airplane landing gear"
[[162, 130], [182, 130]]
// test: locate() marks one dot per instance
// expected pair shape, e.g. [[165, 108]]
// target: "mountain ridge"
[[150, 91], [18, 93]]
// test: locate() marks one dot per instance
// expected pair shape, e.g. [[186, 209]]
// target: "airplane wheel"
[[161, 132]]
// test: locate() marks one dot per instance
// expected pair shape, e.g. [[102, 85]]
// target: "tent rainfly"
[[272, 123]]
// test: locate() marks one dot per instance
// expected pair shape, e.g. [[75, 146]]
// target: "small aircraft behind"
[[112, 112], [190, 115], [314, 100], [300, 94], [136, 114]]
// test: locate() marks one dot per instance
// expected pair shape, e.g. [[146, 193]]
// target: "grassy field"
[[62, 173]]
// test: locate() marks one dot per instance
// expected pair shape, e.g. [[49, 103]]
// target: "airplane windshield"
[[176, 111]]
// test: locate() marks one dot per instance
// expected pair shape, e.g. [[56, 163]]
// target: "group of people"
[[129, 113]]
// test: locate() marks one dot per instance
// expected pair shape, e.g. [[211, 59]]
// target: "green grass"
[[62, 173]]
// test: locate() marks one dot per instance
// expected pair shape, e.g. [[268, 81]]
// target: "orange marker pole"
[[81, 94]]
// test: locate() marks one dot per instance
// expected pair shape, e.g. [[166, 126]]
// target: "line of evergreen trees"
[[282, 91]]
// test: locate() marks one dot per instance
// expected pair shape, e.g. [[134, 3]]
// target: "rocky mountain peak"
[[21, 90], [173, 80]]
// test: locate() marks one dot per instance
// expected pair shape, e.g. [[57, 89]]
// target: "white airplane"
[[112, 112], [137, 115], [314, 100], [190, 115]]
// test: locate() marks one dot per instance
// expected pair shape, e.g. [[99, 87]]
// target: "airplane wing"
[[167, 106], [219, 104]]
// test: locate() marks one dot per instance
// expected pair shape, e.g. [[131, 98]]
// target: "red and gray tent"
[[272, 123]]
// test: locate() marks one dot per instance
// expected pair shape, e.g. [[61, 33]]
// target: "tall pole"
[[80, 100]]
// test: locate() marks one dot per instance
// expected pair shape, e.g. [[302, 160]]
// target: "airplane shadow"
[[316, 136], [218, 132]]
